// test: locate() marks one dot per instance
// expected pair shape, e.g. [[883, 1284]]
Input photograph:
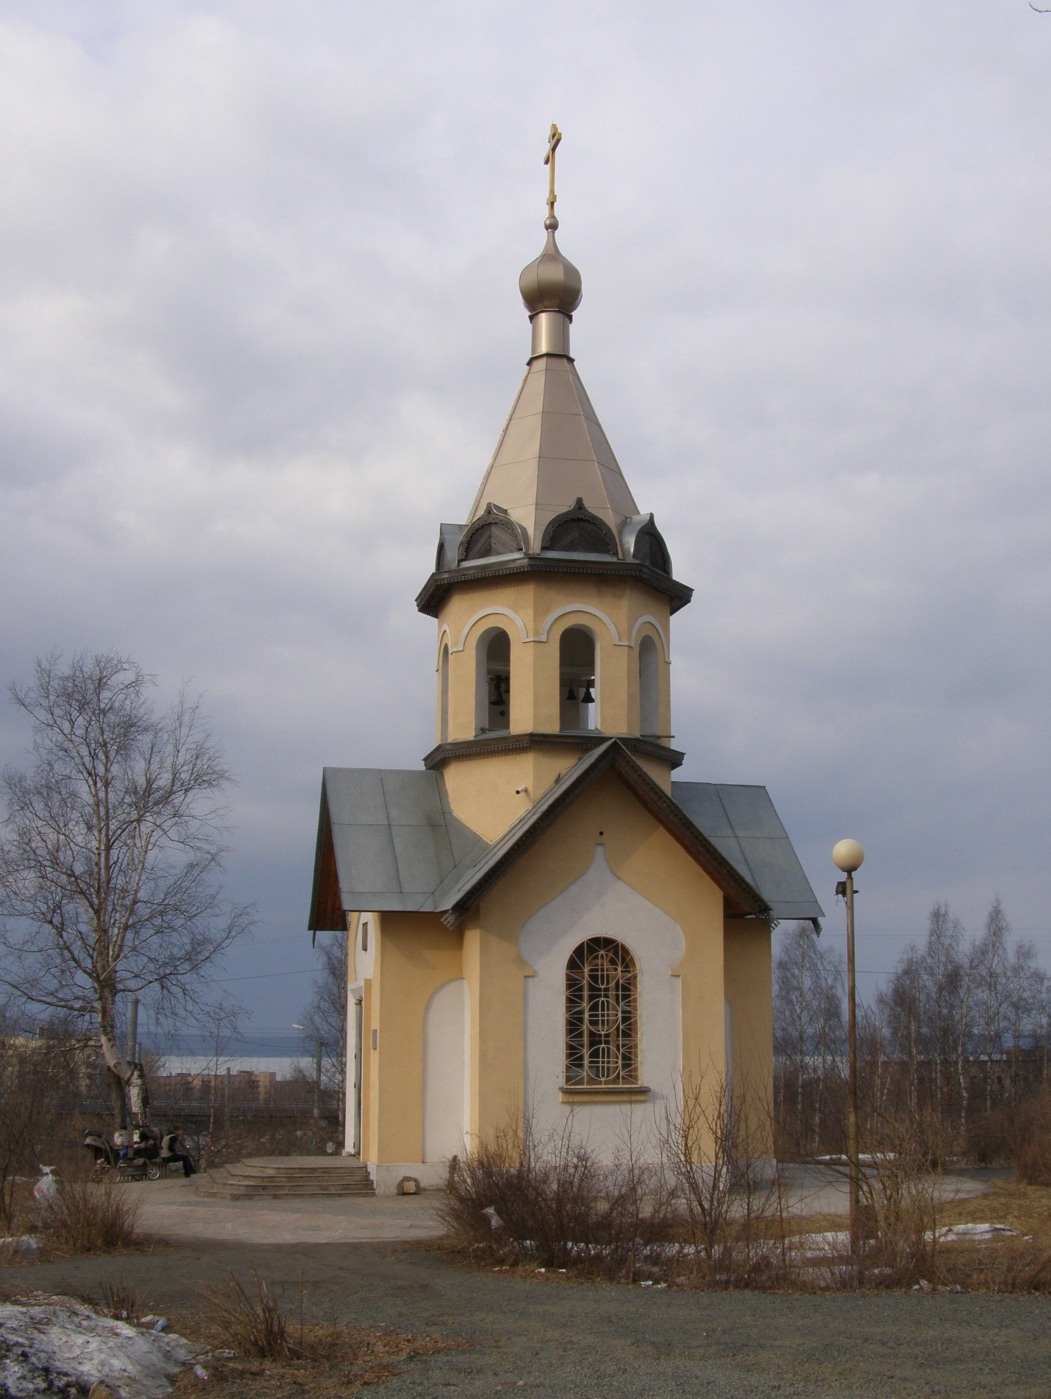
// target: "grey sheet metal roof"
[[394, 837], [398, 847], [742, 824]]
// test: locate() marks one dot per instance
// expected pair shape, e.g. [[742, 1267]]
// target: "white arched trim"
[[588, 611], [491, 612], [643, 620], [444, 639]]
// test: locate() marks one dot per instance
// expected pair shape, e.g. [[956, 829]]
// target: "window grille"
[[602, 1017]]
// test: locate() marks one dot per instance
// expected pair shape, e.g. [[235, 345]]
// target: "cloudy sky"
[[260, 327]]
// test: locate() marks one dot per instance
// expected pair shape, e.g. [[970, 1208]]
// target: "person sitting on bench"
[[173, 1149]]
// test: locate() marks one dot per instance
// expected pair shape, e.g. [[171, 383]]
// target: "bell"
[[498, 690], [587, 697], [571, 694]]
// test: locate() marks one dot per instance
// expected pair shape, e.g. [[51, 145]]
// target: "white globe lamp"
[[848, 855]]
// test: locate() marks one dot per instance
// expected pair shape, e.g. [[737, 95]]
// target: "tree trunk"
[[128, 1080]]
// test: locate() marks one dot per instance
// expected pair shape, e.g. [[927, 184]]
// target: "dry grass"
[[1018, 1264], [1026, 1208], [336, 1361], [254, 1351]]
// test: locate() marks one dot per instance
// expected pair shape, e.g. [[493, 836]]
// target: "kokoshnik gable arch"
[[540, 919]]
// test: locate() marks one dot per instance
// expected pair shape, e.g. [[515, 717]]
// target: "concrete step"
[[284, 1177]]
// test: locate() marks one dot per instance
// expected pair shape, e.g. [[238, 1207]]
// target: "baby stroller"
[[102, 1152], [130, 1156]]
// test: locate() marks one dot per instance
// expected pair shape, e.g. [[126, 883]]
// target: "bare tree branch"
[[112, 849]]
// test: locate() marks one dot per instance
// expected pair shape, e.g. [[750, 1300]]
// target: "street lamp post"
[[849, 856]]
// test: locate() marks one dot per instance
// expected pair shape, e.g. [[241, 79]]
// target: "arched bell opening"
[[492, 695], [577, 680], [649, 689]]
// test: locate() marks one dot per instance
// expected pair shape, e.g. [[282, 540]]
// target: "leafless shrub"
[[251, 1323], [898, 1195], [715, 1146], [119, 1301], [1028, 1133], [557, 1204], [709, 1211], [86, 1218], [36, 1074]]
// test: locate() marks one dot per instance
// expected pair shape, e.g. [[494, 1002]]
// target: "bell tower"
[[553, 600]]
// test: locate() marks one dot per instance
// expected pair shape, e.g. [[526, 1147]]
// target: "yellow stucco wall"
[[533, 612], [749, 989], [643, 855], [415, 954]]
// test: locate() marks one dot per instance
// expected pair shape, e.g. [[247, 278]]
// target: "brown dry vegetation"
[[1026, 1208], [257, 1346], [560, 1209], [334, 1361]]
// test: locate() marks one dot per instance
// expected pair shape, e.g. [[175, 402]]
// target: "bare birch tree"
[[809, 1038], [991, 976], [324, 1020], [111, 852]]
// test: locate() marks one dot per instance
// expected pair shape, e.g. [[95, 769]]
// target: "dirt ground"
[[542, 1335]]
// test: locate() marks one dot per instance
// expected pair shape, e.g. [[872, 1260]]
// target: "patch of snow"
[[21, 1243], [49, 1345], [972, 1231]]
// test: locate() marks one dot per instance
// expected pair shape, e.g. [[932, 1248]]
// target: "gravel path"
[[545, 1336]]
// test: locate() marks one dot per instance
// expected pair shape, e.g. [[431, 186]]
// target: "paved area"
[[171, 1210]]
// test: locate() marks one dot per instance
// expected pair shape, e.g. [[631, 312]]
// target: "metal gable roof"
[[394, 838], [743, 825], [397, 846]]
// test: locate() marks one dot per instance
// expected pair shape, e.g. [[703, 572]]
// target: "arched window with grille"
[[602, 1016]]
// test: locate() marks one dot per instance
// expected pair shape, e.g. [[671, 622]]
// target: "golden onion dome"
[[551, 282]]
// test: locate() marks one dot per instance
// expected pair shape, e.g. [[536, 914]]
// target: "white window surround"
[[599, 904], [484, 615], [648, 620], [577, 608]]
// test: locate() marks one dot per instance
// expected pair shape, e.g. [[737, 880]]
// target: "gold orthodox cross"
[[549, 160]]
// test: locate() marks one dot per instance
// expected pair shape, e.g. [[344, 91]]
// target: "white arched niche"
[[445, 1082], [599, 904]]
